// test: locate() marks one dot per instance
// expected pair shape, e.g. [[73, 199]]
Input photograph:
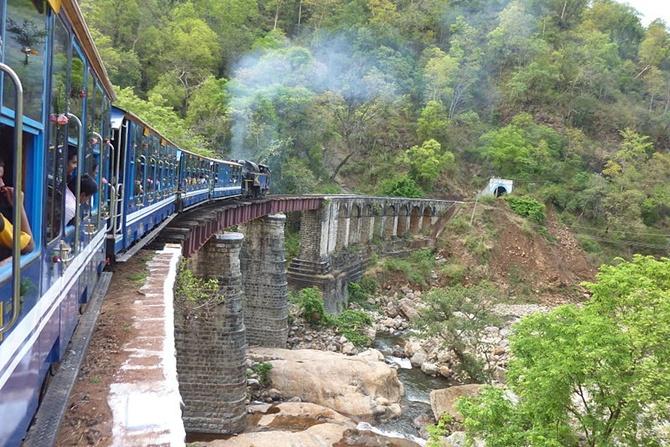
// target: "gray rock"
[[429, 368], [419, 358]]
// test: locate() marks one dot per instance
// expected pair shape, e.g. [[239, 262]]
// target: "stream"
[[418, 386]]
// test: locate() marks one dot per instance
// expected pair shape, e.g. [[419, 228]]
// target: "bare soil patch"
[[88, 418]]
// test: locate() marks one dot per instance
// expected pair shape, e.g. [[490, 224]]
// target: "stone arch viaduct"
[[338, 233]]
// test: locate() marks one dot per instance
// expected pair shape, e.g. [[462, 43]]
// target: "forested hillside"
[[570, 98]]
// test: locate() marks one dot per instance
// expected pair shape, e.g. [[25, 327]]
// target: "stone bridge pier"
[[212, 346], [337, 239]]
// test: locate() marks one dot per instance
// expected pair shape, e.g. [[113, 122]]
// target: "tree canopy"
[[599, 372], [546, 92]]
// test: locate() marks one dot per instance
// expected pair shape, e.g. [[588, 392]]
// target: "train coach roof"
[[71, 10], [117, 121]]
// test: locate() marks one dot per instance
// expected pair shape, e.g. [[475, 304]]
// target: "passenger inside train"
[[26, 243], [88, 188], [72, 161]]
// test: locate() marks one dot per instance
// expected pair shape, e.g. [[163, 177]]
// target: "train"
[[83, 183]]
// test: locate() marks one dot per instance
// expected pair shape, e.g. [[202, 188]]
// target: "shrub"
[[417, 268], [458, 316], [458, 224], [361, 291], [528, 207], [437, 432], [351, 324], [263, 370], [369, 285], [478, 246], [454, 272], [401, 187], [196, 290], [310, 302]]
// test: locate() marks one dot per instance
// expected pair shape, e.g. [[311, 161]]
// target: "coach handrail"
[[18, 198], [111, 186], [101, 163], [77, 192]]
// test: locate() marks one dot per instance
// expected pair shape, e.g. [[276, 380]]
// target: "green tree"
[[458, 316], [163, 118], [428, 162], [599, 372]]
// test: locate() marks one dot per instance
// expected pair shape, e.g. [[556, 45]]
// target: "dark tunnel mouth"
[[500, 191]]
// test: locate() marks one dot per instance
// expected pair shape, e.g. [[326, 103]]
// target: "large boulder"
[[292, 416], [408, 308], [444, 400], [357, 386], [320, 435], [302, 424]]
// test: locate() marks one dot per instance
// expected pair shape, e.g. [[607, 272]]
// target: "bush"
[[417, 268], [454, 272], [263, 370], [310, 302], [351, 324], [360, 292], [401, 187], [196, 290], [458, 316], [369, 285], [528, 207]]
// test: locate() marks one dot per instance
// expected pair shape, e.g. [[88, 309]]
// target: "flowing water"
[[416, 401]]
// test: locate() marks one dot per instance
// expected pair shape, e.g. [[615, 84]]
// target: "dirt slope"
[[528, 262]]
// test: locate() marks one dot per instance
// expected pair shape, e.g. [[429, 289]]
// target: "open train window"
[[7, 185]]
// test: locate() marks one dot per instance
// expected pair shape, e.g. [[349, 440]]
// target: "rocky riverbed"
[[387, 389]]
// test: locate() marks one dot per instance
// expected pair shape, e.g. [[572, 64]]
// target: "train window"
[[7, 180], [140, 165], [55, 167], [24, 51], [77, 94]]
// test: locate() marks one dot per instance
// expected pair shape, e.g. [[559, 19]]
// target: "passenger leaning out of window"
[[88, 188], [26, 243]]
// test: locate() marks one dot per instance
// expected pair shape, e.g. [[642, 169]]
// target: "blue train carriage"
[[145, 173], [197, 179], [55, 150], [226, 179]]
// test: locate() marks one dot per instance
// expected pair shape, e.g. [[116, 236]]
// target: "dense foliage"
[[310, 303], [571, 99], [527, 207], [598, 373]]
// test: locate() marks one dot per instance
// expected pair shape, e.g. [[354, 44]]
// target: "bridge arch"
[[390, 221], [378, 222], [342, 226], [367, 222], [402, 220], [415, 220], [355, 224], [426, 218]]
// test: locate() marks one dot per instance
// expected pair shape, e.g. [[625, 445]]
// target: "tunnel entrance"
[[500, 191]]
